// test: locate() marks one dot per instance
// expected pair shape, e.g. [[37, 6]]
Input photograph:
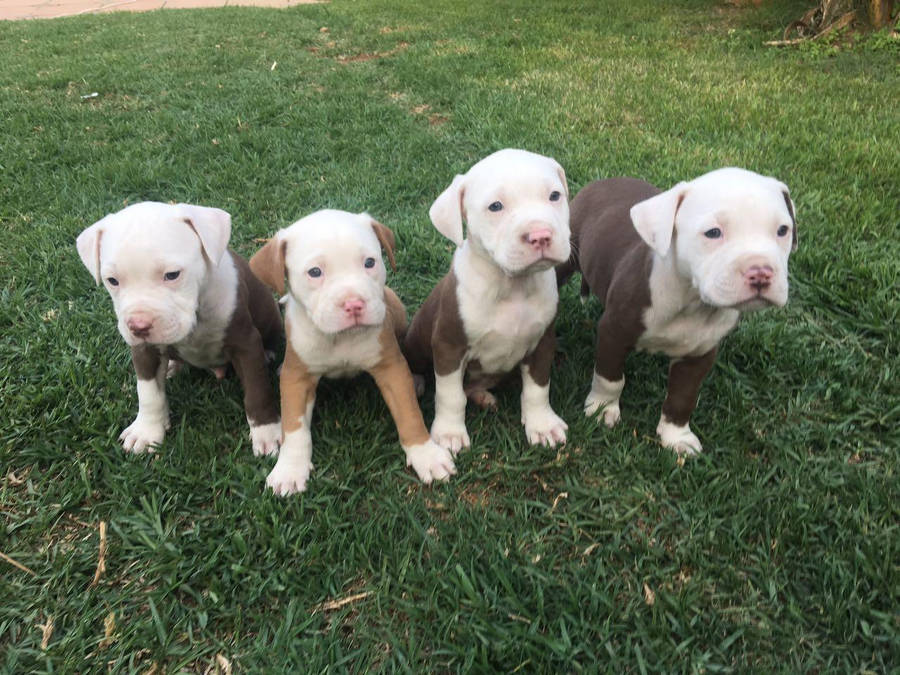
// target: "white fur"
[[748, 208], [679, 438], [265, 438], [506, 289], [430, 461], [542, 425], [337, 244], [294, 464], [149, 427], [605, 396], [449, 426]]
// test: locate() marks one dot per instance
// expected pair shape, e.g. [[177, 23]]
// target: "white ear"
[[446, 212], [654, 218], [213, 227], [88, 245]]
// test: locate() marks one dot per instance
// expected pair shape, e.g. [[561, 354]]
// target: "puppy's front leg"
[[249, 359], [429, 460], [542, 425], [149, 427], [685, 377], [449, 426], [612, 346], [298, 394]]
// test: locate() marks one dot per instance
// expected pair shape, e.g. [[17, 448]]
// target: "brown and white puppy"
[[181, 296], [674, 270], [494, 310], [341, 320]]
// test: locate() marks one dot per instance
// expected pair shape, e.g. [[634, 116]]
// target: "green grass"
[[776, 550]]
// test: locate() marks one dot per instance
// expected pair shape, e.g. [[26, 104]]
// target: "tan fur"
[[387, 241], [298, 388], [268, 264]]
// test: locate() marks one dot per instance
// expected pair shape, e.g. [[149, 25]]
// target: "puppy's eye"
[[314, 272], [555, 195], [370, 263], [783, 230], [171, 276], [495, 206], [714, 233], [112, 281]]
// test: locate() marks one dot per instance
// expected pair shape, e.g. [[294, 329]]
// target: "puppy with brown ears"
[[340, 320]]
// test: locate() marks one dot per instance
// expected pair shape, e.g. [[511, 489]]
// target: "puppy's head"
[[516, 206], [333, 267], [153, 259], [731, 231]]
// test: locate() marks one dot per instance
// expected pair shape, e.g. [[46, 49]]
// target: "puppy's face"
[[332, 262], [731, 232], [153, 259], [516, 206]]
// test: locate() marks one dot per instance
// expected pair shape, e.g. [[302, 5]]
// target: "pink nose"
[[139, 326], [354, 307], [540, 238], [759, 277]]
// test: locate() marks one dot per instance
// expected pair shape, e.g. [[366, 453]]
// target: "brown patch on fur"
[[298, 389], [685, 377], [393, 377], [146, 361], [436, 335], [388, 243], [268, 264], [541, 359]]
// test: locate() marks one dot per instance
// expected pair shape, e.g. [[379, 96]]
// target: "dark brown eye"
[[112, 281], [172, 276], [314, 272], [495, 206], [370, 263], [555, 195], [783, 230], [714, 233]]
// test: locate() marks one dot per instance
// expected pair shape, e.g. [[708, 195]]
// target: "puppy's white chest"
[[501, 331], [692, 332]]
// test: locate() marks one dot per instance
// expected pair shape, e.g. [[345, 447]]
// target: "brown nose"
[[759, 277], [139, 326]]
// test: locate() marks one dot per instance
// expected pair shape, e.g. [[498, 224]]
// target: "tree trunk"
[[879, 12]]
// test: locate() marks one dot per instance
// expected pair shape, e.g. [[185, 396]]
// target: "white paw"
[[678, 438], [173, 368], [430, 461], [544, 427], [266, 438], [611, 411], [450, 435], [143, 434], [289, 477]]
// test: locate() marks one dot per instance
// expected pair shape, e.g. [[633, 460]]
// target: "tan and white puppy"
[[181, 296], [674, 271], [494, 310], [341, 320]]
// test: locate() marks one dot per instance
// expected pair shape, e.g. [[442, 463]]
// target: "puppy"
[[180, 296], [341, 319], [495, 309], [674, 271]]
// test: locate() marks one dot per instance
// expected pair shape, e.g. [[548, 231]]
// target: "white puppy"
[[180, 296], [494, 311], [341, 320]]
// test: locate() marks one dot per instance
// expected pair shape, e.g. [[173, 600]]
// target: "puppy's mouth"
[[756, 303]]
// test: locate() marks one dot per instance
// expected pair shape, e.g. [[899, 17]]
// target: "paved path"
[[50, 9]]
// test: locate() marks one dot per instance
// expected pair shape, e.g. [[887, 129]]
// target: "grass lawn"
[[776, 550]]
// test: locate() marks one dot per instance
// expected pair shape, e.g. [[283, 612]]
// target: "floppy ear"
[[386, 238], [88, 245], [562, 178], [268, 264], [446, 212], [790, 207], [213, 227], [654, 218]]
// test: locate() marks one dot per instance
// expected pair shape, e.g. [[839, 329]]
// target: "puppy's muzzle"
[[759, 277], [540, 239], [140, 325]]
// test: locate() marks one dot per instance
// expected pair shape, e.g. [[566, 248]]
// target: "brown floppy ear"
[[268, 264], [388, 242]]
